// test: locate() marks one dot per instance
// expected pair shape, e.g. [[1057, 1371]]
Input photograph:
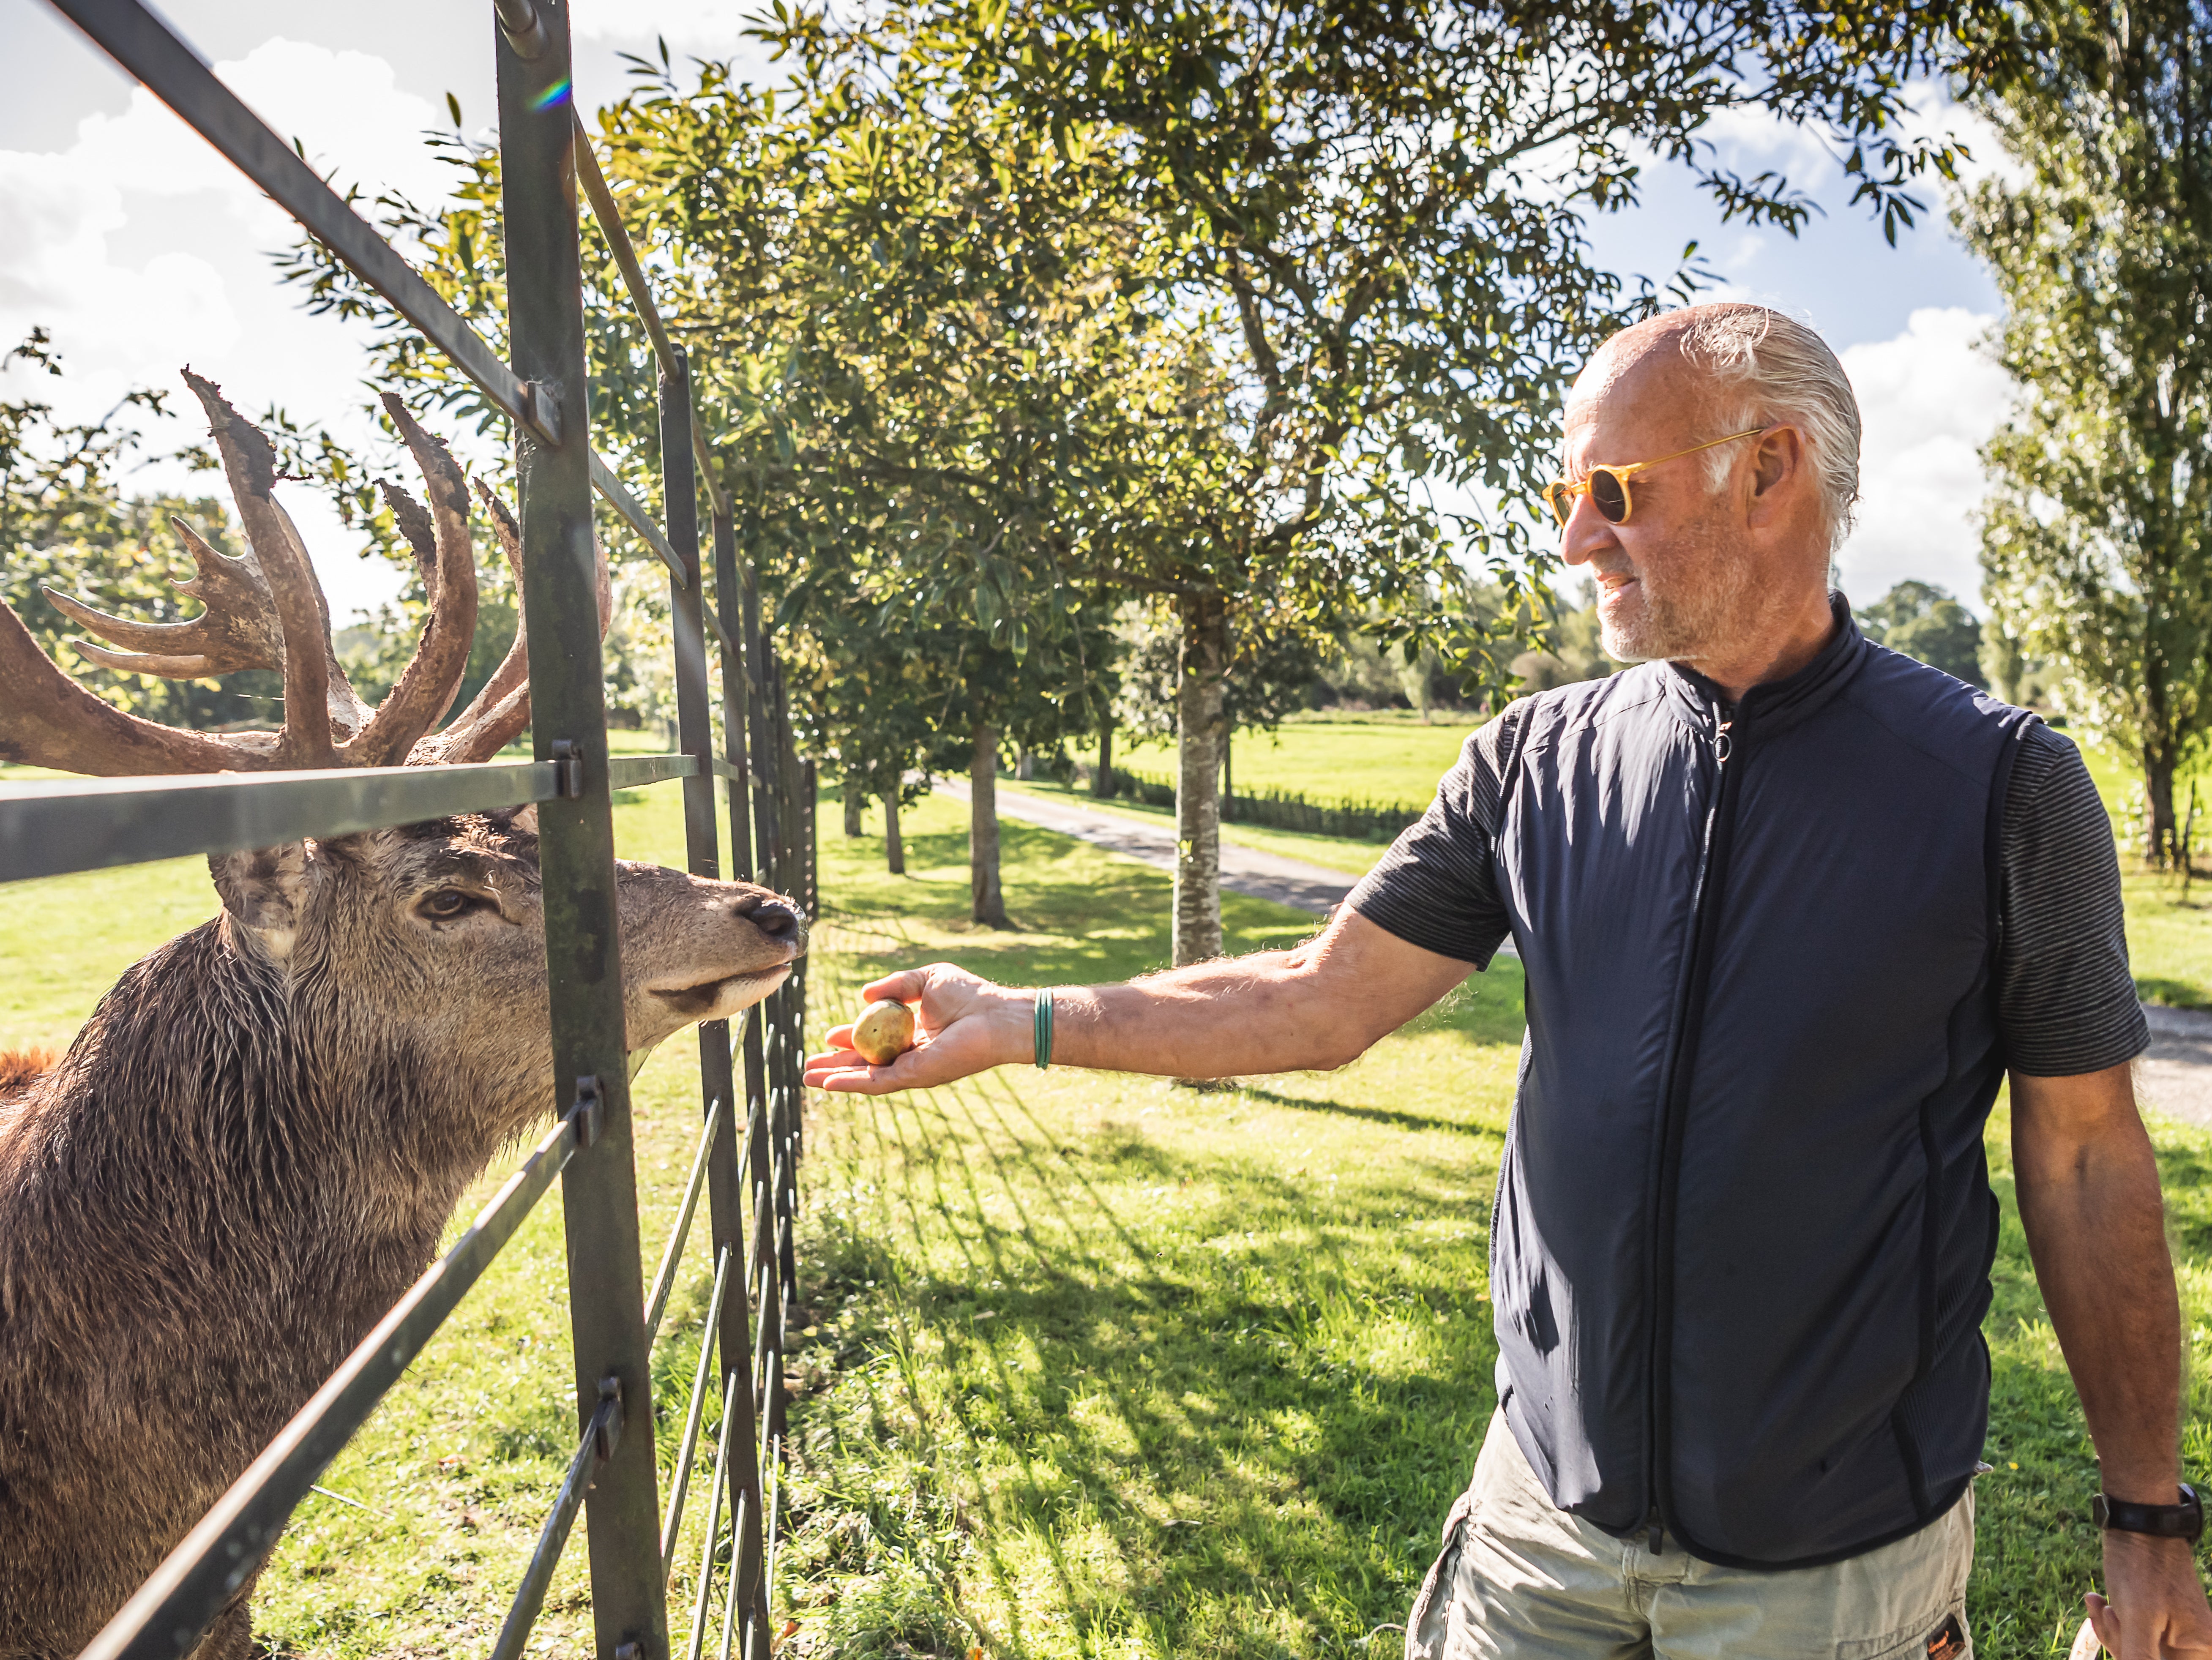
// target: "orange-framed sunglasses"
[[1608, 487]]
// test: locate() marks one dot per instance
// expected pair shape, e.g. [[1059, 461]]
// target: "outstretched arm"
[[1315, 1005], [2087, 1186]]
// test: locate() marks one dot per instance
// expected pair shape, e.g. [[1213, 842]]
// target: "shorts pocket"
[[1432, 1612], [1943, 1636]]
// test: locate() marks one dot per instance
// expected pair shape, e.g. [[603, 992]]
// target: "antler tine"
[[303, 621], [425, 689], [47, 720], [501, 709], [237, 629], [422, 535]]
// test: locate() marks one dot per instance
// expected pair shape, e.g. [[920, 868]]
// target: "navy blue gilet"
[[1744, 1227]]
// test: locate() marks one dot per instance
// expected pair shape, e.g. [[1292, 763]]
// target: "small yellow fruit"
[[883, 1032]]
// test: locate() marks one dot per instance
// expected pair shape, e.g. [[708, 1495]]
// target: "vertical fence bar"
[[606, 1293], [725, 1198]]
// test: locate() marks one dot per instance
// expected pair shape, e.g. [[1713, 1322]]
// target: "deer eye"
[[447, 903]]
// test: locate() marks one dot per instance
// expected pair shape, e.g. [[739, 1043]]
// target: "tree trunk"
[[1102, 782], [988, 905], [894, 848], [1227, 780], [1024, 764], [2160, 844], [1198, 802], [853, 826]]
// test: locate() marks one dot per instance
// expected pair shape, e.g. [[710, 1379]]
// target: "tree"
[[2097, 531], [67, 523], [1374, 218], [1923, 621]]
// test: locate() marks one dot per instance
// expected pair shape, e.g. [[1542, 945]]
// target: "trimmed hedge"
[[1355, 819]]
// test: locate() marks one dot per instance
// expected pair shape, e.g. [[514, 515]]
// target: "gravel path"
[[1313, 888], [2175, 1076]]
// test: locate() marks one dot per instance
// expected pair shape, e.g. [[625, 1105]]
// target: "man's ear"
[[1779, 455], [265, 890]]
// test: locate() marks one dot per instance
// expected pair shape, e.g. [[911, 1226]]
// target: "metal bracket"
[[589, 1110], [607, 1421], [526, 33], [541, 409], [568, 766]]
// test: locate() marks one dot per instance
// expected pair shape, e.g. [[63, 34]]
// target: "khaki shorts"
[[1523, 1580]]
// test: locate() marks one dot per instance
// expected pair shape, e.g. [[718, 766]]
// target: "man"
[[1790, 906]]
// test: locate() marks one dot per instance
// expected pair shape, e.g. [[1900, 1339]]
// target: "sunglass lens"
[[1610, 496]]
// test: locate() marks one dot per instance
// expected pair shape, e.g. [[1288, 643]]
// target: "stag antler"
[[266, 610]]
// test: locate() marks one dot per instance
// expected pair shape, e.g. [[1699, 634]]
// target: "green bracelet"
[[1043, 1044]]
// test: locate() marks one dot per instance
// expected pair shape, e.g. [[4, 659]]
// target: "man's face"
[[1674, 581]]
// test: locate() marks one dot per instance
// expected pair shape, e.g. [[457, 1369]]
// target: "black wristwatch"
[[2183, 1521]]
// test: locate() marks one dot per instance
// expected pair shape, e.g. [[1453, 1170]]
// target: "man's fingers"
[[839, 1038], [904, 987], [2103, 1625]]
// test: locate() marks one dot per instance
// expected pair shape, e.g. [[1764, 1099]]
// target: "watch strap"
[[2183, 1521]]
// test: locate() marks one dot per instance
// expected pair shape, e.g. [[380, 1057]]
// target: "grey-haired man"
[[1791, 907]]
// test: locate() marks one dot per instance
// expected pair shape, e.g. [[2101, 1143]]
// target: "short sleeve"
[[2066, 998], [1437, 887]]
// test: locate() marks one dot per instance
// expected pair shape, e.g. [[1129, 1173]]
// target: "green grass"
[[2169, 918], [1086, 1366], [1387, 756]]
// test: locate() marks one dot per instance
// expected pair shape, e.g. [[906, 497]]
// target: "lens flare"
[[556, 94]]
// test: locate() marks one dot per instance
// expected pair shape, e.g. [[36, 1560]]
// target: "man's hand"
[[2157, 1607], [2087, 1187], [1314, 1006], [962, 1024]]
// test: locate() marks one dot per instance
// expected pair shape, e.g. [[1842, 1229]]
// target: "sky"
[[144, 252]]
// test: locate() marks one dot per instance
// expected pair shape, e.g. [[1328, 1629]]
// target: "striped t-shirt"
[[2066, 999]]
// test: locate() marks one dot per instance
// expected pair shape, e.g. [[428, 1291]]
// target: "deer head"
[[425, 938]]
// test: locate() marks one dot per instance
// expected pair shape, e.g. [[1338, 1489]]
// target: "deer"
[[249, 1151]]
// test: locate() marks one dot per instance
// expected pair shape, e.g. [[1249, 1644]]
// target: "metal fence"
[[745, 1165]]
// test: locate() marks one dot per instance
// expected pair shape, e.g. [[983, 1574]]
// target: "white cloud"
[[141, 249], [713, 26], [1929, 399]]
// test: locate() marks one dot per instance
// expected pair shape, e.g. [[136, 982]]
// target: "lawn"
[[1388, 755], [1086, 1366]]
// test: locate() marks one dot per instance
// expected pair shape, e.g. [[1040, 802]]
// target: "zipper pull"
[[1723, 745]]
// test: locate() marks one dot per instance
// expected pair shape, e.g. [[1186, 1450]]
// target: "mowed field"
[[1086, 1366]]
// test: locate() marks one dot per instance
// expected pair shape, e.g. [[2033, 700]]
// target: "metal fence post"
[[726, 1190], [545, 326]]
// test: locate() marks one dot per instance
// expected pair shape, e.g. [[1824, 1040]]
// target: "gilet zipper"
[[1728, 749]]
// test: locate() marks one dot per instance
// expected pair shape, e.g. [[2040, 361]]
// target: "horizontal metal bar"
[[730, 653], [605, 209], [48, 828], [664, 1282], [530, 1596], [680, 1482], [723, 768], [611, 226], [634, 513], [135, 38], [171, 1610], [629, 772]]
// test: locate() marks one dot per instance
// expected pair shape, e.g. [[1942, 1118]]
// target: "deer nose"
[[780, 922]]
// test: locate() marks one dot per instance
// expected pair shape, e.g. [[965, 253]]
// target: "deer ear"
[[525, 818], [264, 889]]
